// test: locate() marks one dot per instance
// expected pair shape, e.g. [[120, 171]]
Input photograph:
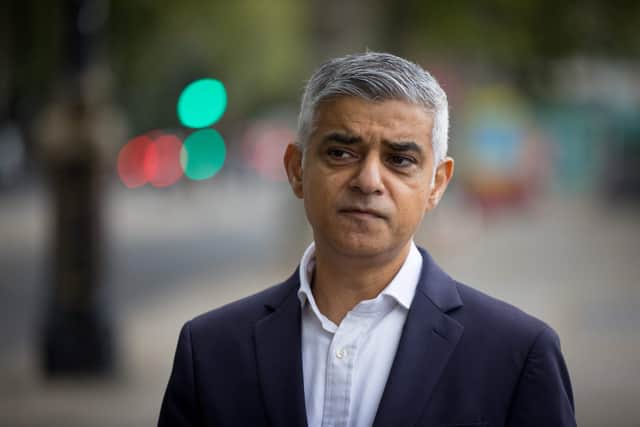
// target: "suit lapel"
[[278, 351], [428, 339]]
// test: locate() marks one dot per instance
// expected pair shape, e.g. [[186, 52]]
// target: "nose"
[[368, 177]]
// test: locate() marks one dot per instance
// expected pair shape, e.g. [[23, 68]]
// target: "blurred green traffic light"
[[202, 103], [203, 154]]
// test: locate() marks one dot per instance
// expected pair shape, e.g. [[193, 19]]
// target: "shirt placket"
[[340, 370]]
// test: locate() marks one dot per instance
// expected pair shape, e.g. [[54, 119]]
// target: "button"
[[341, 353]]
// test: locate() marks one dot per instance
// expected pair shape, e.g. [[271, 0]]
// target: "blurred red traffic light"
[[150, 160]]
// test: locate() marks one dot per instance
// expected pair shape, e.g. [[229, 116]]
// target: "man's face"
[[366, 175]]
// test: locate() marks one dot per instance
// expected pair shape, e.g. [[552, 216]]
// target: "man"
[[368, 330]]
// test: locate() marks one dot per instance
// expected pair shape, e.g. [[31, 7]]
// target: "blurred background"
[[106, 251]]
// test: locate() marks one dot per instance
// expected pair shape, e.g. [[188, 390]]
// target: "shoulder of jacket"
[[245, 311], [503, 318]]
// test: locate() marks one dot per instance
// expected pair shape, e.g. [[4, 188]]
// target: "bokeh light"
[[168, 169], [151, 158], [202, 103], [264, 143], [132, 162], [203, 154]]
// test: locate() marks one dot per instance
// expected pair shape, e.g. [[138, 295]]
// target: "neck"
[[340, 283]]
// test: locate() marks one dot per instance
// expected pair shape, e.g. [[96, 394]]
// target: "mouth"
[[362, 213]]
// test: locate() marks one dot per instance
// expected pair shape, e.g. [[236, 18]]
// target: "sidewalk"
[[147, 346], [572, 263]]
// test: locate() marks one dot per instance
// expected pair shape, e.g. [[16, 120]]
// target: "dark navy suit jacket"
[[464, 359]]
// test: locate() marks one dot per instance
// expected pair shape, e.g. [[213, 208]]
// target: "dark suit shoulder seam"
[[545, 328], [524, 369]]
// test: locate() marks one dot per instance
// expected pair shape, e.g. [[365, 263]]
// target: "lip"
[[362, 213]]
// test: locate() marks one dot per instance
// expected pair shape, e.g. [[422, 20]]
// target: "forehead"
[[390, 118]]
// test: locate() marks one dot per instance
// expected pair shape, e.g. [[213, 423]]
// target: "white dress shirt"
[[346, 366]]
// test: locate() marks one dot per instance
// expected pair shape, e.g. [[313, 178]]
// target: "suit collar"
[[437, 286], [434, 283], [278, 353], [428, 339]]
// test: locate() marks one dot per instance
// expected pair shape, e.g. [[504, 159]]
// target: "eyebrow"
[[347, 139], [404, 146], [342, 138]]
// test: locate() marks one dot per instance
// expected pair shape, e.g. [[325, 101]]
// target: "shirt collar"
[[402, 287], [307, 264]]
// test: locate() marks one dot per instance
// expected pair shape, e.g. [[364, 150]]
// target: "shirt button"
[[341, 353]]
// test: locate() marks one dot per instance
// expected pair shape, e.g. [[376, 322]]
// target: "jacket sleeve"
[[179, 406], [543, 396]]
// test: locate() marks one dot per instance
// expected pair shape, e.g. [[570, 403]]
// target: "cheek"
[[324, 186], [413, 207], [319, 196]]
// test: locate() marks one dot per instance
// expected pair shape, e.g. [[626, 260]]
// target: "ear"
[[293, 166], [444, 173]]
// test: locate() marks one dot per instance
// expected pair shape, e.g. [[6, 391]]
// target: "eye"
[[339, 154], [401, 161]]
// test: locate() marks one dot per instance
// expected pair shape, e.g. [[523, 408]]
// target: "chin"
[[361, 246]]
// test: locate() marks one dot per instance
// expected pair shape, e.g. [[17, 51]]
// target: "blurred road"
[[202, 245], [173, 254], [153, 240]]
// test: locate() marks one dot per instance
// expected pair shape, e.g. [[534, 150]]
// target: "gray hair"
[[376, 76]]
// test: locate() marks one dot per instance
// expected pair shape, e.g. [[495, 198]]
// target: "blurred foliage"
[[31, 51], [521, 38], [264, 50], [511, 32], [256, 48]]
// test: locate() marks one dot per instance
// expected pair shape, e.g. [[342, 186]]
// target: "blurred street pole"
[[77, 335]]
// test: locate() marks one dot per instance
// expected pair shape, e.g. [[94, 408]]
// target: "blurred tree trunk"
[[77, 334]]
